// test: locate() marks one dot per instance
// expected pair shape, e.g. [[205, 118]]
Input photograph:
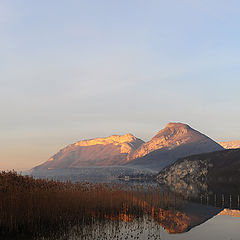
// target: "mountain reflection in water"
[[65, 211], [143, 215], [158, 224]]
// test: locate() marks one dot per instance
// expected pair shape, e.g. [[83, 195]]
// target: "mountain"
[[176, 140], [113, 150], [204, 172], [185, 218], [230, 145]]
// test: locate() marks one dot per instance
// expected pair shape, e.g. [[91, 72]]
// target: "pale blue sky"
[[72, 69]]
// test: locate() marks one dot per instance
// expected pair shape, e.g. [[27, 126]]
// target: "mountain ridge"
[[112, 150], [173, 135], [230, 144], [172, 142]]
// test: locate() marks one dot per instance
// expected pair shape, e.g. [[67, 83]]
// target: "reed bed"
[[33, 207]]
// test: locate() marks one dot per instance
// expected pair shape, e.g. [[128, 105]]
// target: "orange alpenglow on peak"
[[177, 125], [108, 151], [114, 139], [173, 135], [174, 141], [173, 128], [230, 145]]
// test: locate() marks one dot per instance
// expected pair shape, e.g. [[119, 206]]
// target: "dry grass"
[[31, 206]]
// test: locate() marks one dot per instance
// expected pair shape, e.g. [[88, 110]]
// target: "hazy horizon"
[[74, 70], [57, 148]]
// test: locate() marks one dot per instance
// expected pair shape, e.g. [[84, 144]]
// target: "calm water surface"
[[132, 211], [217, 228], [163, 216]]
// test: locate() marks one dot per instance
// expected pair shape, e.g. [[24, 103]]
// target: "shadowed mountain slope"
[[176, 140]]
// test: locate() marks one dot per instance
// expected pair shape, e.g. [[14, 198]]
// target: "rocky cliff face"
[[187, 177], [113, 150], [199, 173], [230, 145], [174, 141]]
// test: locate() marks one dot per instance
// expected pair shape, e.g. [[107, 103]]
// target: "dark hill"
[[203, 172]]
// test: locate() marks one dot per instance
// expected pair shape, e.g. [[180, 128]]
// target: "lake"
[[44, 209]]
